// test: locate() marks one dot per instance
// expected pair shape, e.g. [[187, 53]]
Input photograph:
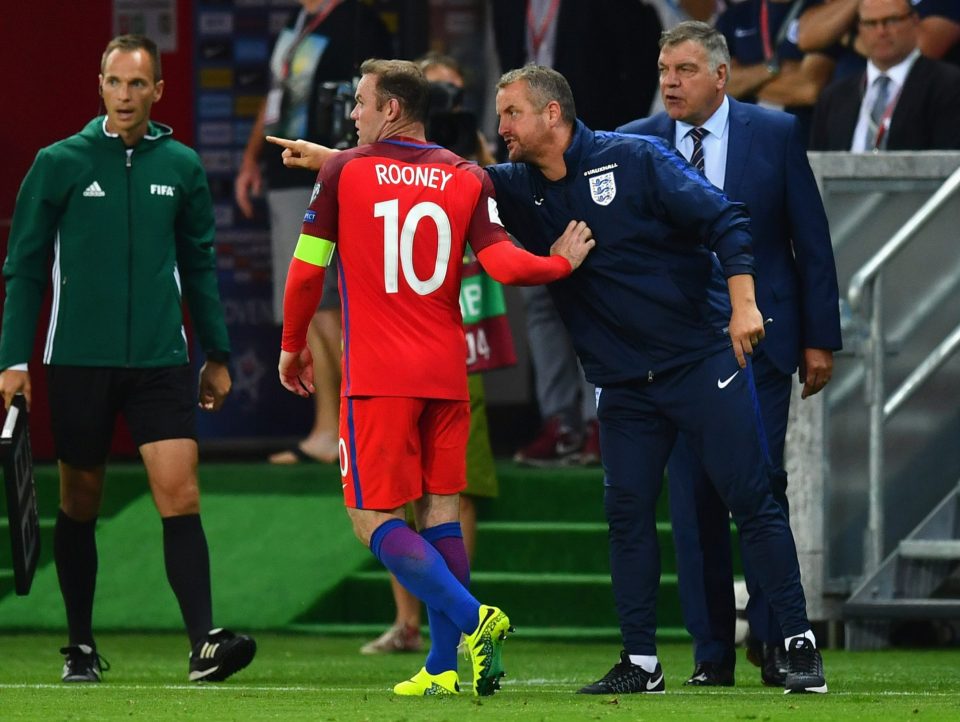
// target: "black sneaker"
[[711, 674], [219, 655], [773, 671], [804, 668], [627, 678], [82, 664]]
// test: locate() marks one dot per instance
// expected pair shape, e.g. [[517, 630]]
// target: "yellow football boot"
[[423, 684], [485, 645]]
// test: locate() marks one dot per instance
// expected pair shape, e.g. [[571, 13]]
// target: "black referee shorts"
[[157, 403]]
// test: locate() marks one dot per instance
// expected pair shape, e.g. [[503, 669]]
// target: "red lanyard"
[[321, 15], [765, 30], [535, 34]]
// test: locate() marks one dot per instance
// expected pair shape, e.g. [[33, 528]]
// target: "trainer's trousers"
[[714, 403], [701, 532]]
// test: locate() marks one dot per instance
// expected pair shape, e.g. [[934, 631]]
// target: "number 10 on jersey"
[[398, 245]]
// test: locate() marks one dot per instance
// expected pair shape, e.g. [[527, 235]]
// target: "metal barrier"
[[868, 282], [833, 499]]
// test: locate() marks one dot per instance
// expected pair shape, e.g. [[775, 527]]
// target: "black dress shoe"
[[773, 671], [711, 674]]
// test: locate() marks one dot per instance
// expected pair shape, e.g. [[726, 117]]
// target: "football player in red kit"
[[400, 211]]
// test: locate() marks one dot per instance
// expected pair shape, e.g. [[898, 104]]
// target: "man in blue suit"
[[796, 287]]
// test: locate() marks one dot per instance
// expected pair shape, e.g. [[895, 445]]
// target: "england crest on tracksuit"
[[603, 188]]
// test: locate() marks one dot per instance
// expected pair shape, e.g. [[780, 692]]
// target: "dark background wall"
[[49, 57]]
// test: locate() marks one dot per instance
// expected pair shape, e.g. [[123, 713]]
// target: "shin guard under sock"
[[420, 568], [187, 560], [75, 556], [447, 539]]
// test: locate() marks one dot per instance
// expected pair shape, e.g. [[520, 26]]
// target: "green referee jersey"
[[129, 234]]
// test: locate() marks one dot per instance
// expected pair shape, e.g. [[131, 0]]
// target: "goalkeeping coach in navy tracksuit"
[[650, 315]]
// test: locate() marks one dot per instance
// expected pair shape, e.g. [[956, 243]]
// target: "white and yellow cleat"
[[485, 645], [424, 684]]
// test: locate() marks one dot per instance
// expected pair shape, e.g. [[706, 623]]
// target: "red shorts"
[[396, 449]]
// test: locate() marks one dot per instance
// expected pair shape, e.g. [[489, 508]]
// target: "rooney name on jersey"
[[412, 175]]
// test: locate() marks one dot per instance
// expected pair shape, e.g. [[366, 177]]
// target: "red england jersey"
[[400, 212]]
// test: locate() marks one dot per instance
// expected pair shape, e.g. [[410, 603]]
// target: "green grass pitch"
[[302, 677]]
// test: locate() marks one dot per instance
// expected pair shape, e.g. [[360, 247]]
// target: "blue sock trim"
[[442, 531], [376, 539]]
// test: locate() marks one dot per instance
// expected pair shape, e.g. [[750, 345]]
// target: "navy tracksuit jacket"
[[651, 296], [647, 313]]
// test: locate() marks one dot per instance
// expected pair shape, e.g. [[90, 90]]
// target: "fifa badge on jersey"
[[603, 188], [317, 187]]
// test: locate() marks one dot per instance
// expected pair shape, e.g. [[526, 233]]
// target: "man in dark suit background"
[[601, 47], [903, 101], [796, 287]]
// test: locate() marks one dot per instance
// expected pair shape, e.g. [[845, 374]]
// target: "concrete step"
[[531, 600], [565, 494], [517, 546], [903, 608], [598, 634], [6, 568]]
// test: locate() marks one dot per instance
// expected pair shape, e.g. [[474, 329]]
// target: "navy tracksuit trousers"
[[701, 532], [714, 404]]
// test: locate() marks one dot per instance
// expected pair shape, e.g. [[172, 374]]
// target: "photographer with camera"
[[449, 124], [318, 51]]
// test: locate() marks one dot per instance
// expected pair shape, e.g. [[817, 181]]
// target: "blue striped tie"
[[878, 110], [696, 160]]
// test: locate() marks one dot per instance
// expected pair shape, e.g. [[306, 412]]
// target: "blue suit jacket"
[[796, 277]]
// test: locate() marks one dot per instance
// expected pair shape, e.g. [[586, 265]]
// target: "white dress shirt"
[[862, 141], [714, 143]]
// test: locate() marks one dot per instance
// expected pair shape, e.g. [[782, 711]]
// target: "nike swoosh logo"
[[482, 622], [726, 382], [653, 683], [744, 32]]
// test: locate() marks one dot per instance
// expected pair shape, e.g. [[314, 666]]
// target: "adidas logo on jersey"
[[94, 191]]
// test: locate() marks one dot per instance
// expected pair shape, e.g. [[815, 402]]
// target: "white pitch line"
[[190, 687], [548, 687]]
